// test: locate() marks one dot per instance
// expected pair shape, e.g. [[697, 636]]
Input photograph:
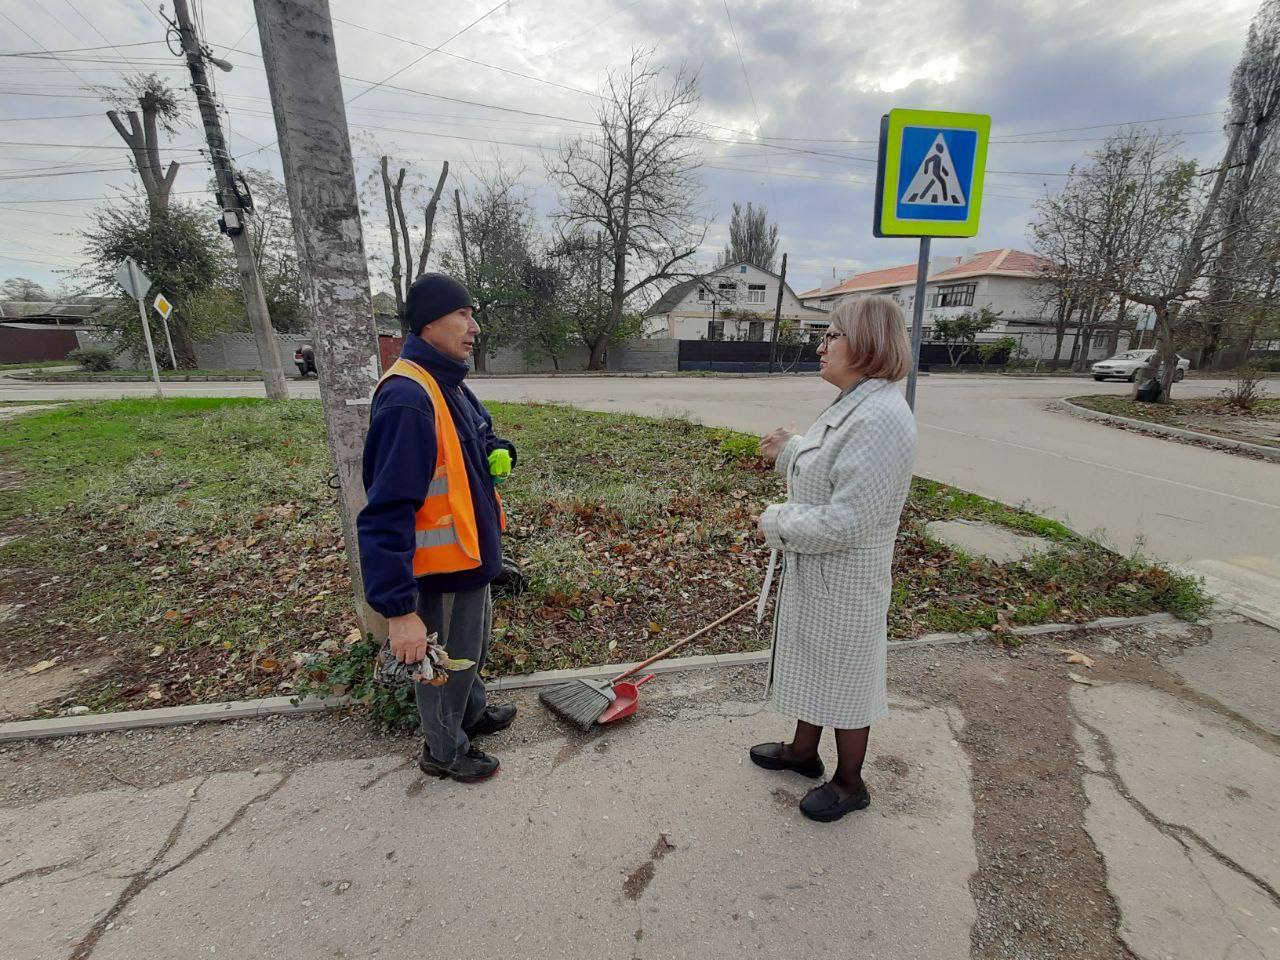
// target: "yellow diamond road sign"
[[163, 306]]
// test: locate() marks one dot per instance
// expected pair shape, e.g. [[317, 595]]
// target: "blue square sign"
[[935, 173]]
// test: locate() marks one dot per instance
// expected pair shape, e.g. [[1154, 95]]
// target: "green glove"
[[500, 465]]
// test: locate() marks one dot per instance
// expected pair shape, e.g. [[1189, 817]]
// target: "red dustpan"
[[626, 699], [626, 694]]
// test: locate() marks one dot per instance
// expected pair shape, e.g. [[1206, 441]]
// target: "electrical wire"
[[752, 94], [408, 66]]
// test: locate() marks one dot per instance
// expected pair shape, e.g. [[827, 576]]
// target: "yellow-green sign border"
[[887, 223]]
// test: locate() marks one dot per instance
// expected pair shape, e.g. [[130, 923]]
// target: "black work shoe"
[[470, 767], [769, 756], [491, 721], [824, 803]]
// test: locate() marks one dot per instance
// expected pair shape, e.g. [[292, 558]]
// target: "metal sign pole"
[[917, 320], [173, 357], [929, 176], [146, 327]]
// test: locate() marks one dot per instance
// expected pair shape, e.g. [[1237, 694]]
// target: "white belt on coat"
[[768, 585]]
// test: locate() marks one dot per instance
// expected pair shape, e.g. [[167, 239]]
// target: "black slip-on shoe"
[[470, 767], [824, 803], [769, 756], [491, 721]]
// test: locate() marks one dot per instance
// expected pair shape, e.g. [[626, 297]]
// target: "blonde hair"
[[877, 336]]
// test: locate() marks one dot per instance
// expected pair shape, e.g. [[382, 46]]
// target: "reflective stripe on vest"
[[447, 537]]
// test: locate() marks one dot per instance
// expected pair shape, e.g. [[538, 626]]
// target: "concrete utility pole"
[[235, 207], [311, 123], [777, 317]]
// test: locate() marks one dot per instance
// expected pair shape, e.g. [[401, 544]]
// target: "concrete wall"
[[645, 356], [230, 351], [239, 351], [511, 360]]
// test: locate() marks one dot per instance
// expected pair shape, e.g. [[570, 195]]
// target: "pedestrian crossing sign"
[[929, 180]]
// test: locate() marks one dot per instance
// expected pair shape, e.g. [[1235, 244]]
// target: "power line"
[[1118, 123], [42, 263], [408, 66], [60, 116], [751, 93], [149, 62], [94, 27], [86, 146], [110, 46], [20, 29], [478, 63], [45, 213], [176, 193]]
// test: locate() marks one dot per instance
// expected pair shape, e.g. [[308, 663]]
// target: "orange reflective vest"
[[446, 535]]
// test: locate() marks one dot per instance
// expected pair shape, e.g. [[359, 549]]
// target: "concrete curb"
[[278, 706], [195, 378], [1271, 453]]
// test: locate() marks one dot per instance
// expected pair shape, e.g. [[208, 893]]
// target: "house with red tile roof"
[[1006, 281]]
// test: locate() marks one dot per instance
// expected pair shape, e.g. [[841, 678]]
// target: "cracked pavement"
[[1016, 814]]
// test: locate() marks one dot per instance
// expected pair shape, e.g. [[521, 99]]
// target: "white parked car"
[[1127, 365]]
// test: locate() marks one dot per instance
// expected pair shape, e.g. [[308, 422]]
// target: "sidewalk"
[[997, 782]]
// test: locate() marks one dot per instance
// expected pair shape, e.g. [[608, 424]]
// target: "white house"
[[735, 302], [1007, 281]]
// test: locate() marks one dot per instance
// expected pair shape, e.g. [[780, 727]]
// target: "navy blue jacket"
[[399, 460]]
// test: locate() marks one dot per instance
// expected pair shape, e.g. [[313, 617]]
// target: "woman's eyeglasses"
[[830, 336]]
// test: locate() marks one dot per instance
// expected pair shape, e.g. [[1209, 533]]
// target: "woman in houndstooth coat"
[[847, 480]]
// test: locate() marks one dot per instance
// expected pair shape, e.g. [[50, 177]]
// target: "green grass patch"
[[37, 365], [195, 543], [1213, 416], [75, 376]]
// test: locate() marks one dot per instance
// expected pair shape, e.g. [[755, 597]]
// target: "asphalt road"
[[1211, 512]]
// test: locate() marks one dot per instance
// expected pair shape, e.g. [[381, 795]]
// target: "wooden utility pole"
[[480, 355], [777, 317], [462, 238], [306, 96], [236, 208]]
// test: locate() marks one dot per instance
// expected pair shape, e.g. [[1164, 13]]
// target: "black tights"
[[851, 747]]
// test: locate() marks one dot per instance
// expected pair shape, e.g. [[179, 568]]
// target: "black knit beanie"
[[431, 297]]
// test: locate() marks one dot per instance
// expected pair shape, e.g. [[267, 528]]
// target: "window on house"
[[755, 293], [715, 329], [728, 290], [755, 330], [955, 295]]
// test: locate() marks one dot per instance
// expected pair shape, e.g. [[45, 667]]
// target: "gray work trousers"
[[464, 622]]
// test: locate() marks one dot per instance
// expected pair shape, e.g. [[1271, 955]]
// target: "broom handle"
[[662, 655]]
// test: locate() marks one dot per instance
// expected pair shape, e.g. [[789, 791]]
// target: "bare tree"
[[634, 181], [1141, 225], [493, 244], [1255, 104], [160, 110], [1082, 231], [403, 273], [1168, 246], [751, 238], [20, 288]]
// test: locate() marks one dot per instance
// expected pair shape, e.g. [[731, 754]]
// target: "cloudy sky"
[[797, 87]]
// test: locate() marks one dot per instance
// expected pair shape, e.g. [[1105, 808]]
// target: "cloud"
[[824, 71]]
